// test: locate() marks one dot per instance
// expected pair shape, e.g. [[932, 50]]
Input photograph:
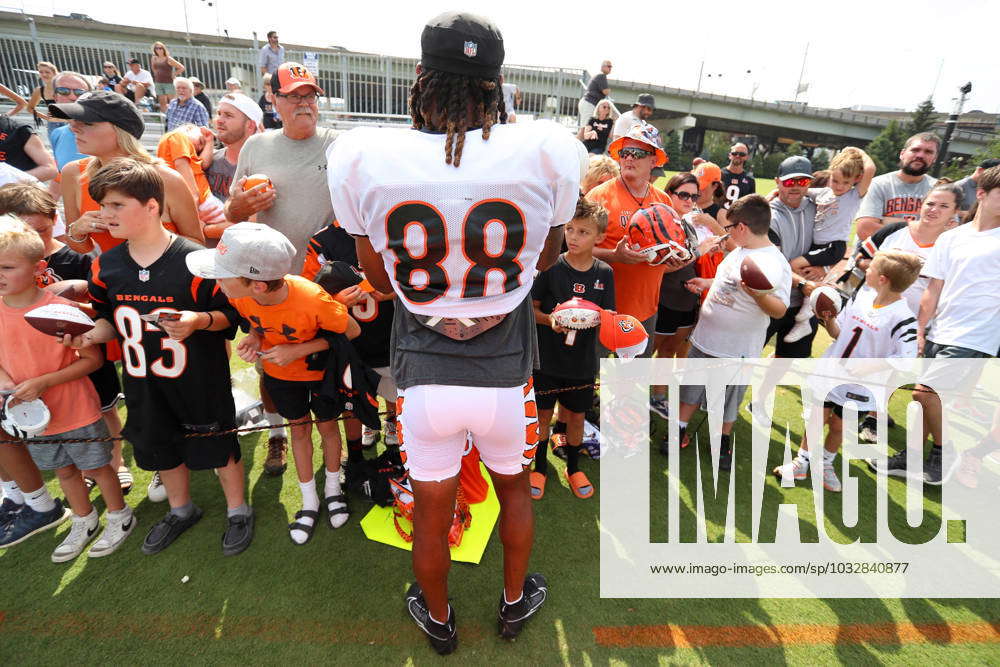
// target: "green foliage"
[[678, 160], [923, 118], [884, 148], [716, 147], [961, 167], [820, 159]]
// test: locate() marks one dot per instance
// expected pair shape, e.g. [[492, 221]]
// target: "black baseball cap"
[[989, 163], [645, 100], [102, 106], [462, 43], [134, 61]]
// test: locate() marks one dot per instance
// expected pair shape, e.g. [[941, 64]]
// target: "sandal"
[[579, 484], [305, 528], [537, 481], [125, 479], [332, 511]]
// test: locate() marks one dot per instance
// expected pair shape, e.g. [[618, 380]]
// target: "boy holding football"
[[58, 376], [577, 273], [285, 313]]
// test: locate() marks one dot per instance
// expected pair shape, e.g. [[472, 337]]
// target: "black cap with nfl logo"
[[462, 43]]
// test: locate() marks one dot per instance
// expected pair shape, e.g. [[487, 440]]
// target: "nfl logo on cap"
[[470, 49]]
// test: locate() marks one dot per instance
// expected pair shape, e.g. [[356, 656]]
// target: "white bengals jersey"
[[867, 332], [457, 242]]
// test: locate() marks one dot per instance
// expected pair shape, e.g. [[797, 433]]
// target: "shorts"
[[826, 254], [574, 400], [668, 321], [295, 399], [84, 453], [696, 394], [800, 349], [386, 385], [435, 419], [106, 382], [165, 89], [959, 377]]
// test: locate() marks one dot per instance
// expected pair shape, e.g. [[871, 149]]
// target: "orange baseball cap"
[[707, 173], [292, 76]]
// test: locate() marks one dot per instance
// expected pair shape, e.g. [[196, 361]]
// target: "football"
[[622, 334], [576, 314], [74, 290], [255, 180], [58, 319], [754, 278], [825, 299]]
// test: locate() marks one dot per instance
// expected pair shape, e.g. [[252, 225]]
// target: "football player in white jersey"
[[876, 324], [454, 215]]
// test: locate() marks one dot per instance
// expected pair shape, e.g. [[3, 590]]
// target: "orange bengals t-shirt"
[[637, 286], [297, 319], [175, 145]]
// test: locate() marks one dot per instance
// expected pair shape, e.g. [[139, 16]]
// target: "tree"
[[674, 152], [884, 148], [961, 167], [923, 118], [820, 159], [715, 148]]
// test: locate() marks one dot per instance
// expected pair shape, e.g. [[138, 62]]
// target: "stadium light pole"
[[949, 128]]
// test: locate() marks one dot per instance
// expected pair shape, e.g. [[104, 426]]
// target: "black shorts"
[[669, 321], [295, 399], [163, 419], [574, 400], [108, 385], [826, 254], [837, 408], [800, 349]]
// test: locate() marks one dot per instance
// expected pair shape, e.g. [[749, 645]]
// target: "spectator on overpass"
[[272, 54], [597, 89], [199, 94], [898, 195], [136, 82], [165, 70], [69, 86], [970, 183], [184, 108], [597, 131], [641, 111], [735, 180]]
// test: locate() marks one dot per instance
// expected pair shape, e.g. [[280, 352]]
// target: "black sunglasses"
[[738, 153], [60, 90], [685, 196], [635, 153]]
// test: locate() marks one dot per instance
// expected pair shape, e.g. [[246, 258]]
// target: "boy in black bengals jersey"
[[172, 327]]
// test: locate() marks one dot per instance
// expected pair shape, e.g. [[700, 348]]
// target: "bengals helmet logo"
[[298, 72], [626, 326]]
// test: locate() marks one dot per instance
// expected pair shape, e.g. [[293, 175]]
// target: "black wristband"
[[211, 321]]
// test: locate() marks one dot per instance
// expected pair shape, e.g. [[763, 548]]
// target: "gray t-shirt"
[[297, 168], [792, 232], [968, 192], [503, 356], [834, 214], [890, 197], [596, 88]]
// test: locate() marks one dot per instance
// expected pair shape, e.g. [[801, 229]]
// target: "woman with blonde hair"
[[596, 132], [602, 168], [165, 70], [44, 93], [112, 77]]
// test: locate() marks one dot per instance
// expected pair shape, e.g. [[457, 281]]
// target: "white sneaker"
[[799, 331], [389, 433], [156, 492], [82, 531], [830, 481], [120, 526], [369, 436], [796, 469]]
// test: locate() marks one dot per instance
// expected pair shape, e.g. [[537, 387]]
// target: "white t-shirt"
[[968, 261], [834, 214], [902, 239], [143, 77], [457, 242], [624, 124], [731, 324]]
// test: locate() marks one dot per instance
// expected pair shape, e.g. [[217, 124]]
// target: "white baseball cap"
[[246, 250], [245, 105], [233, 81]]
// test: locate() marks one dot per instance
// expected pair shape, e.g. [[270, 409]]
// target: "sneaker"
[[801, 329], [8, 512], [443, 637], [659, 406], [933, 473], [894, 465], [28, 522], [238, 535], [512, 617], [830, 480], [156, 492], [81, 532], [968, 470], [166, 530], [369, 436], [868, 431], [797, 469], [726, 454], [120, 525], [389, 433], [665, 445], [276, 460]]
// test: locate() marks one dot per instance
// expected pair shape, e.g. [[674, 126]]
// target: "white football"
[[577, 314], [825, 299], [57, 319]]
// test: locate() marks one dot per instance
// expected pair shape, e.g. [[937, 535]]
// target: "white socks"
[[276, 422], [13, 491], [828, 457], [332, 488], [39, 500], [310, 501]]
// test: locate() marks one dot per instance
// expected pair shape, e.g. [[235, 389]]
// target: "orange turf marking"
[[698, 636]]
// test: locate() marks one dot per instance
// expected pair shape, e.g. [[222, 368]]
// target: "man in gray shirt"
[[970, 183], [792, 218], [898, 196], [272, 54], [597, 90]]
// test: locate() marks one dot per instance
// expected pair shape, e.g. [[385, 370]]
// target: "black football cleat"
[[443, 637], [512, 617]]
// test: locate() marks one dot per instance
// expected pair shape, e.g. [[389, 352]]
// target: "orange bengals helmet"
[[656, 231], [622, 334]]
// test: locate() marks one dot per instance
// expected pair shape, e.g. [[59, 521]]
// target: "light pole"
[[949, 127]]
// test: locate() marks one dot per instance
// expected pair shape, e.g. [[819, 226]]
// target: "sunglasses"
[[60, 90], [634, 153], [792, 182], [295, 98], [685, 196], [738, 153]]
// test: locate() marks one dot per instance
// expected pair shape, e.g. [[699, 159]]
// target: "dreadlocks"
[[456, 103]]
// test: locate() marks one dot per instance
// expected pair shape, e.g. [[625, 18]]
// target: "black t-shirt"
[[14, 134], [603, 129], [113, 81], [596, 88], [65, 264], [203, 98], [270, 121], [737, 185], [561, 283]]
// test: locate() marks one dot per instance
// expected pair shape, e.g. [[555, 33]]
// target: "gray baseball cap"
[[796, 166], [645, 100], [246, 250]]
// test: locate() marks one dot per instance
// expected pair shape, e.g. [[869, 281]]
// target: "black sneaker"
[[238, 535], [868, 430], [932, 468], [168, 529], [8, 512], [512, 617], [894, 465], [664, 446], [27, 522], [726, 454], [443, 637]]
